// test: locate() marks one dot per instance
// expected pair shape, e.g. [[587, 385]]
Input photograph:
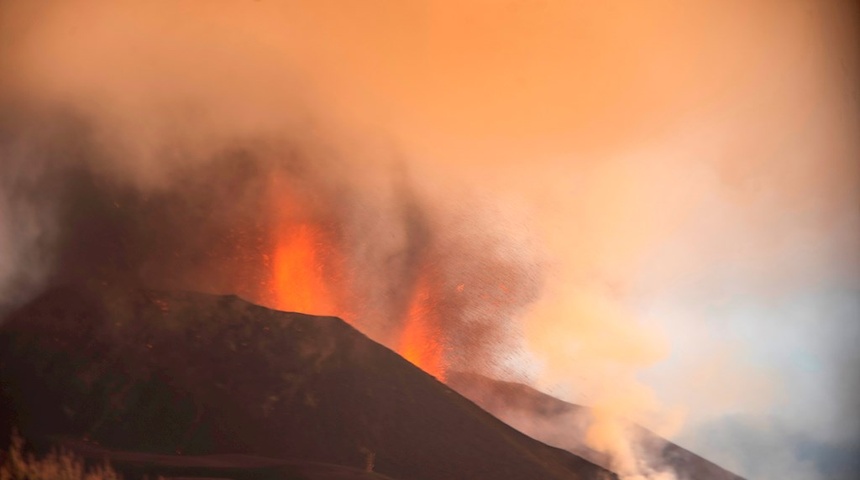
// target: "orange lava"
[[300, 277], [419, 343], [306, 278]]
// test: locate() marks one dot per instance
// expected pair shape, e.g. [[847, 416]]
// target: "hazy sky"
[[689, 170]]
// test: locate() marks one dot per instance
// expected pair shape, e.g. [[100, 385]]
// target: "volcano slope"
[[185, 374], [564, 425]]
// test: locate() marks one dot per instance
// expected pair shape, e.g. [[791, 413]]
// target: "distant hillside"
[[563, 425]]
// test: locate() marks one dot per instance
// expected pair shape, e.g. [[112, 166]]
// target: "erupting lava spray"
[[309, 274], [421, 343], [300, 273]]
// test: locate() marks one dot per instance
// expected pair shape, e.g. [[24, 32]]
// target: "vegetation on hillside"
[[18, 464]]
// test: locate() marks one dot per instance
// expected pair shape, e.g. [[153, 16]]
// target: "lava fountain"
[[421, 343], [309, 275], [300, 272]]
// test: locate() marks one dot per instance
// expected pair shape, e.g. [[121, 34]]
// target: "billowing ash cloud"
[[148, 169], [213, 219]]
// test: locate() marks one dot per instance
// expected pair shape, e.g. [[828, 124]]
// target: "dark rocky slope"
[[145, 372]]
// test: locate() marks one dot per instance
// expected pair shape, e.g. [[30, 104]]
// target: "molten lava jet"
[[300, 275], [307, 276], [421, 342]]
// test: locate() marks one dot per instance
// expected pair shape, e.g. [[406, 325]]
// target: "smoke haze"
[[648, 209]]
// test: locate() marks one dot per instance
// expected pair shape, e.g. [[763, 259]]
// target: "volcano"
[[191, 384]]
